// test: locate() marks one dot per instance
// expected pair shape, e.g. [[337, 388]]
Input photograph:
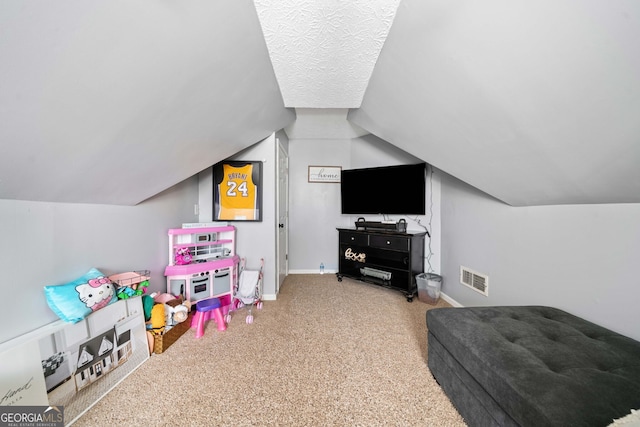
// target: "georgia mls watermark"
[[31, 416]]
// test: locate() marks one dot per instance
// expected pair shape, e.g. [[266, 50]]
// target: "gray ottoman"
[[532, 366]]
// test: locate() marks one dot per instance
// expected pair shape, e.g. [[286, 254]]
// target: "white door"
[[283, 215]]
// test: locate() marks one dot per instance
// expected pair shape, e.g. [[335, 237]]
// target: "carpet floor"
[[325, 353]]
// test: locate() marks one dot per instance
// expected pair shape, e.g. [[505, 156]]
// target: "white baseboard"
[[316, 271], [450, 300]]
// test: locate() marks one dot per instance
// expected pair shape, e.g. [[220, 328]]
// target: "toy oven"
[[222, 281], [199, 286]]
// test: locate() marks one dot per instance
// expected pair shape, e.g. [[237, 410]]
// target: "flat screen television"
[[384, 190]]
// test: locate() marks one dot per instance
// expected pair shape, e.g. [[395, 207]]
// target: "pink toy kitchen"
[[202, 263]]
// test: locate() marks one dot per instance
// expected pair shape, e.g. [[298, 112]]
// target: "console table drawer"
[[354, 238], [389, 242]]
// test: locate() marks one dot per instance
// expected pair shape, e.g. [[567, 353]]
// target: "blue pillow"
[[75, 300]]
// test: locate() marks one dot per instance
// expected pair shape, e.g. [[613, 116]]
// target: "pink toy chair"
[[205, 310]]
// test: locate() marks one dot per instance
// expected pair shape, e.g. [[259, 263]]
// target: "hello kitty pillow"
[[75, 300]]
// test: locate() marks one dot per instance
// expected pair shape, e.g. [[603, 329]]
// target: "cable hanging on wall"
[[430, 270], [428, 228]]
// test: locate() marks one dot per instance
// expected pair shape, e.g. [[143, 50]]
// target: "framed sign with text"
[[325, 174], [237, 191]]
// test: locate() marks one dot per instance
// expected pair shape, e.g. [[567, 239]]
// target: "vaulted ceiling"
[[534, 103], [323, 51]]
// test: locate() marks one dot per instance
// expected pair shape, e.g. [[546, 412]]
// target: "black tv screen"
[[384, 190]]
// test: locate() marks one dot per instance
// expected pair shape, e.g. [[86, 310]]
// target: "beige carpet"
[[326, 353]]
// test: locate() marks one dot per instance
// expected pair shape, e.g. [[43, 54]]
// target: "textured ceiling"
[[323, 51]]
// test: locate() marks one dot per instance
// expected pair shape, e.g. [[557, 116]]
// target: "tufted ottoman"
[[532, 366]]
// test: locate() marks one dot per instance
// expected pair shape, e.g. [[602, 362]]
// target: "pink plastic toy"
[[205, 310], [183, 256]]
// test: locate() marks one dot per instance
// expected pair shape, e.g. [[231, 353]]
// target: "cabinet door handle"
[[388, 242], [353, 238]]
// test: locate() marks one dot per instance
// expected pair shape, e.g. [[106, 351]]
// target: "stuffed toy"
[[147, 306], [176, 312], [161, 298], [158, 319], [129, 291], [175, 309]]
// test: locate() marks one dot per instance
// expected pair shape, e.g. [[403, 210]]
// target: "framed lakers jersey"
[[237, 191]]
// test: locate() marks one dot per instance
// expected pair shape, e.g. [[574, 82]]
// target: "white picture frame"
[[74, 365], [325, 174]]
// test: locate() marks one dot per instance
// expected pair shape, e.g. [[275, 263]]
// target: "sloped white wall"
[[535, 103], [47, 243], [115, 101], [579, 258]]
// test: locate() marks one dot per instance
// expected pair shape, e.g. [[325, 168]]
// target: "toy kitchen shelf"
[[211, 267]]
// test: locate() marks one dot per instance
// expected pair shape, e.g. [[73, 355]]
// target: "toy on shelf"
[[183, 256], [131, 283]]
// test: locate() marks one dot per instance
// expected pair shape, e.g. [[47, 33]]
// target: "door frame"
[[282, 218]]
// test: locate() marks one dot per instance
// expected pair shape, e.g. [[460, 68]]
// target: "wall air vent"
[[476, 281]]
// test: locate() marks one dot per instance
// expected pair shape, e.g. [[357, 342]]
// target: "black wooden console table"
[[386, 258]]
